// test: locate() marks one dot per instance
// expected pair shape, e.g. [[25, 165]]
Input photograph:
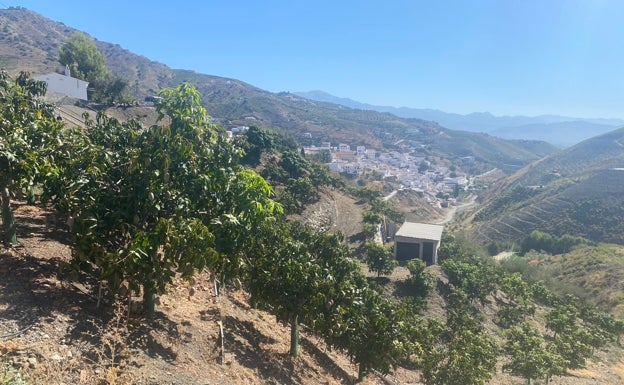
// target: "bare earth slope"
[[51, 330]]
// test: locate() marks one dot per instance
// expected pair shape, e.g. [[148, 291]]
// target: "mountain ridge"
[[30, 37], [576, 191], [562, 131]]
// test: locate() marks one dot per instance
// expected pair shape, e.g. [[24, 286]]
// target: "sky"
[[507, 57]]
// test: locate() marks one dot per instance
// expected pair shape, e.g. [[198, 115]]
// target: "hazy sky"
[[515, 57]]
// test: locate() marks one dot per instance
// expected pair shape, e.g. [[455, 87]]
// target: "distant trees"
[[83, 57], [541, 241], [86, 62]]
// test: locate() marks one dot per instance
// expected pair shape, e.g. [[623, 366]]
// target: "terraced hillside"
[[30, 42], [579, 191]]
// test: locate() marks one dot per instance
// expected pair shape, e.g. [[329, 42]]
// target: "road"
[[450, 213]]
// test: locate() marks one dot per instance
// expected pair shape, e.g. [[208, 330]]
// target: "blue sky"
[[508, 57]]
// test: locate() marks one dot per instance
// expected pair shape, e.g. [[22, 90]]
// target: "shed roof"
[[420, 231]]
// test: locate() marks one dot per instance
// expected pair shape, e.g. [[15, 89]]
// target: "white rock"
[[56, 357]]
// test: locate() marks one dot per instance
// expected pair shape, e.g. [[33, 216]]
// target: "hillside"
[[52, 331], [30, 42], [594, 273], [577, 191], [562, 131]]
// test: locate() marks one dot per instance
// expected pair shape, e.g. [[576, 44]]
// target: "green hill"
[[577, 191]]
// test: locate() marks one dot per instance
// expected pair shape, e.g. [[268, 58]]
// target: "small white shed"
[[418, 240], [65, 84]]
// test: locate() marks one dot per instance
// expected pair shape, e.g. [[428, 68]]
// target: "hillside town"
[[439, 184]]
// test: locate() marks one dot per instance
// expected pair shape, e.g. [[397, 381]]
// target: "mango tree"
[[374, 332], [530, 356], [300, 275], [29, 133], [461, 352], [170, 199], [379, 258]]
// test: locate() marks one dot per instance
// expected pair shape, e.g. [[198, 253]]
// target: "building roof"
[[420, 231], [57, 76]]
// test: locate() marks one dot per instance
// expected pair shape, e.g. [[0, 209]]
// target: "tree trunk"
[[294, 335], [8, 220], [149, 298]]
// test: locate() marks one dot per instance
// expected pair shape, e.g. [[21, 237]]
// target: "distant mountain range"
[[561, 131]]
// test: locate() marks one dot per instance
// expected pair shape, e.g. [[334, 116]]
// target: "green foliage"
[[302, 191], [29, 138], [151, 203], [530, 356], [602, 327], [376, 332], [384, 207], [366, 193], [372, 217], [461, 352], [302, 276], [451, 247], [498, 247], [258, 140], [571, 340], [9, 375], [545, 242], [87, 63], [538, 241], [520, 295], [109, 88], [421, 281], [83, 57], [379, 258], [474, 276], [370, 230], [295, 165], [562, 318], [541, 293]]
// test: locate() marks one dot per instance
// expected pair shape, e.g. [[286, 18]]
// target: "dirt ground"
[[52, 332]]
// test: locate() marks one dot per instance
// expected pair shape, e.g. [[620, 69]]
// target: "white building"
[[343, 147], [418, 240], [65, 84]]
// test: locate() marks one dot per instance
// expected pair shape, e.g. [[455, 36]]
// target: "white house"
[[65, 84], [343, 147]]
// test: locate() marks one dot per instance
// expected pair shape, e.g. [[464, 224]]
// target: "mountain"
[[577, 191], [30, 42], [561, 131]]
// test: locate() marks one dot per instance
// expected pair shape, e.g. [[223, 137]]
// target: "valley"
[[196, 229]]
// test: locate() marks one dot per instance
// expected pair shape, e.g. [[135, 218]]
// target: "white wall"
[[66, 85]]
